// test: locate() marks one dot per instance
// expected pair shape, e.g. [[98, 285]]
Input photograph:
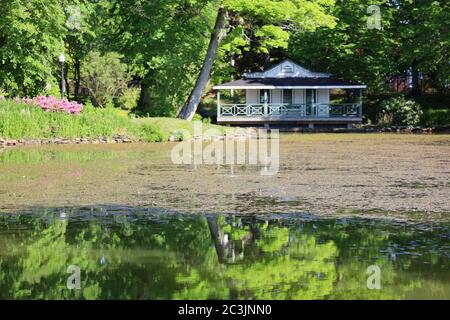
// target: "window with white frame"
[[264, 94], [311, 96], [287, 96]]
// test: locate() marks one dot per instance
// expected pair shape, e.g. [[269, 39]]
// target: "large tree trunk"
[[77, 66], [215, 235], [144, 100], [191, 105]]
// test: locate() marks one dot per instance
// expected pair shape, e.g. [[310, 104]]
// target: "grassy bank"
[[179, 128], [22, 121]]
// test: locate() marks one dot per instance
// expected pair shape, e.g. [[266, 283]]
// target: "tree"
[[190, 108], [423, 40], [31, 39], [266, 22], [351, 50], [105, 76], [80, 38], [412, 39], [162, 42]]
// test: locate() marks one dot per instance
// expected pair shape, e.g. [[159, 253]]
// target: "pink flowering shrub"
[[52, 104]]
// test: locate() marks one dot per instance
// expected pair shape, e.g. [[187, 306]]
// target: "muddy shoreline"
[[242, 134]]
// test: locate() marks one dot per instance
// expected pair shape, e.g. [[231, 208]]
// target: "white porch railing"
[[292, 110]]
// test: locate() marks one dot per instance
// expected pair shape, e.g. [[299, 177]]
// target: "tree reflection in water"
[[141, 255]]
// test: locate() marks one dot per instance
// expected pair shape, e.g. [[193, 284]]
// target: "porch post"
[[360, 99], [266, 111], [218, 103]]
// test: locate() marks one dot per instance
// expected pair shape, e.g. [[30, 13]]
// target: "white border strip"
[[290, 87]]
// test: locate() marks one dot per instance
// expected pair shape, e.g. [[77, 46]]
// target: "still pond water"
[[55, 217], [128, 253]]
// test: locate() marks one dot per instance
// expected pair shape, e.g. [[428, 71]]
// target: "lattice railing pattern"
[[300, 110]]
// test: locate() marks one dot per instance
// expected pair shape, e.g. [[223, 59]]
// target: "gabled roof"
[[289, 75], [287, 69], [290, 83]]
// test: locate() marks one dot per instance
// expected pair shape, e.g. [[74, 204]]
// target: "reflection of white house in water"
[[290, 94]]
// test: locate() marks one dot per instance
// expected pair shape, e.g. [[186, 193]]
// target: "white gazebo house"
[[290, 94]]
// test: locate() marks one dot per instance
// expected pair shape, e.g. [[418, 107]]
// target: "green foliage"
[[84, 24], [181, 129], [274, 259], [3, 94], [52, 89], [105, 76], [129, 99], [413, 37], [272, 37], [164, 43], [400, 112], [197, 117], [436, 117], [289, 12], [20, 121], [206, 120], [351, 50], [433, 101], [181, 135], [152, 133], [31, 38], [423, 40], [255, 29]]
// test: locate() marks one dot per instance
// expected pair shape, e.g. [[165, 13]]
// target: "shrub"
[[129, 99], [181, 135], [433, 101], [197, 117], [436, 117], [53, 104], [400, 112], [206, 120], [104, 76], [53, 89], [152, 133], [3, 94]]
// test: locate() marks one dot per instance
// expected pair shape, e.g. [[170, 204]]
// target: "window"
[[287, 69], [287, 96], [311, 96], [261, 96]]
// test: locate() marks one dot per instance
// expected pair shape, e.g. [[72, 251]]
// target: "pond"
[[129, 253], [319, 174], [338, 221]]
